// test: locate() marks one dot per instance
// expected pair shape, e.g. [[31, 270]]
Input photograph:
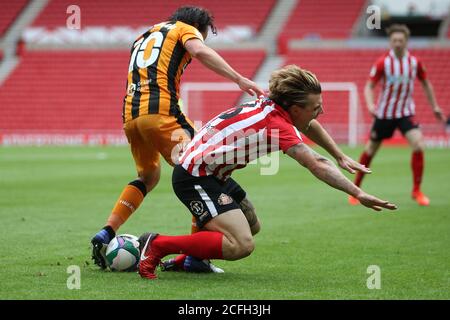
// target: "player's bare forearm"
[[323, 169], [429, 92], [326, 171], [319, 135], [213, 61], [216, 63], [369, 95]]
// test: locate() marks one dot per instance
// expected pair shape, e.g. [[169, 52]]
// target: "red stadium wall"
[[81, 92], [320, 19], [145, 13], [353, 65], [9, 11]]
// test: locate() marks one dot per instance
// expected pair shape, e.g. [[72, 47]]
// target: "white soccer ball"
[[122, 253]]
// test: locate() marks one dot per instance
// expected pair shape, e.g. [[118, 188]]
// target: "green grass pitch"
[[312, 244]]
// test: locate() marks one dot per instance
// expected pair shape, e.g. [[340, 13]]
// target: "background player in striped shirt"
[[395, 108], [230, 141], [153, 121]]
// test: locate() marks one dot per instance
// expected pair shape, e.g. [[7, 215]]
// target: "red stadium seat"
[[145, 13], [353, 65], [10, 10], [82, 91], [326, 19]]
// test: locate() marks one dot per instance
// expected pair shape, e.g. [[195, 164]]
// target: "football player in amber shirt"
[[153, 121]]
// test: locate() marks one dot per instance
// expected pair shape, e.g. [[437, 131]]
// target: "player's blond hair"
[[292, 85], [398, 28]]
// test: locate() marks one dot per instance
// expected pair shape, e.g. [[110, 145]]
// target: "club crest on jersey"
[[131, 89], [196, 207], [224, 199]]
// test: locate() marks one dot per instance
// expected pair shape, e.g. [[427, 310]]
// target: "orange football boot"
[[420, 198]]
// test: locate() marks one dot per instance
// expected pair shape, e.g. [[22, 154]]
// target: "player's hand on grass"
[[350, 165], [374, 203], [250, 87]]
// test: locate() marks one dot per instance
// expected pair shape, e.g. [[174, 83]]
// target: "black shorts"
[[206, 197], [384, 128]]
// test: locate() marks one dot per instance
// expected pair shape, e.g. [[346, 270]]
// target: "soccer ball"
[[122, 253]]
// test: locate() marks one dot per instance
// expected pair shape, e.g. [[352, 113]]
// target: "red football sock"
[[130, 199], [417, 163], [365, 159], [179, 260], [202, 245]]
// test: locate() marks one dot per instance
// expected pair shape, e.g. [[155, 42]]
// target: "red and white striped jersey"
[[395, 100], [238, 136]]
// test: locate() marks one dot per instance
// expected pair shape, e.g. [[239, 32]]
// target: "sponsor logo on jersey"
[[131, 89]]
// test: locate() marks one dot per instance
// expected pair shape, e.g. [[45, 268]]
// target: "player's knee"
[[248, 247], [240, 248], [245, 247], [150, 179], [418, 146]]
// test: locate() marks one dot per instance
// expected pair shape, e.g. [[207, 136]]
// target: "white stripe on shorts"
[[207, 200]]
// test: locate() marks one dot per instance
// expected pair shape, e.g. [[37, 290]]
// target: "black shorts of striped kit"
[[206, 197]]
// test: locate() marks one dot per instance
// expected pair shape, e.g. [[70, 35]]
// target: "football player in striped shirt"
[[229, 142], [395, 108], [153, 121]]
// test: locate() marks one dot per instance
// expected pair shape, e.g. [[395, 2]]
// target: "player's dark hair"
[[292, 85], [398, 28], [195, 16]]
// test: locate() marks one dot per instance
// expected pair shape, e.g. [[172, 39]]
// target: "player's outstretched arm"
[[369, 95], [212, 60], [429, 92], [319, 135], [326, 171]]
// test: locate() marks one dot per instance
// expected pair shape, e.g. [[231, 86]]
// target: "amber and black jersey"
[[158, 59]]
